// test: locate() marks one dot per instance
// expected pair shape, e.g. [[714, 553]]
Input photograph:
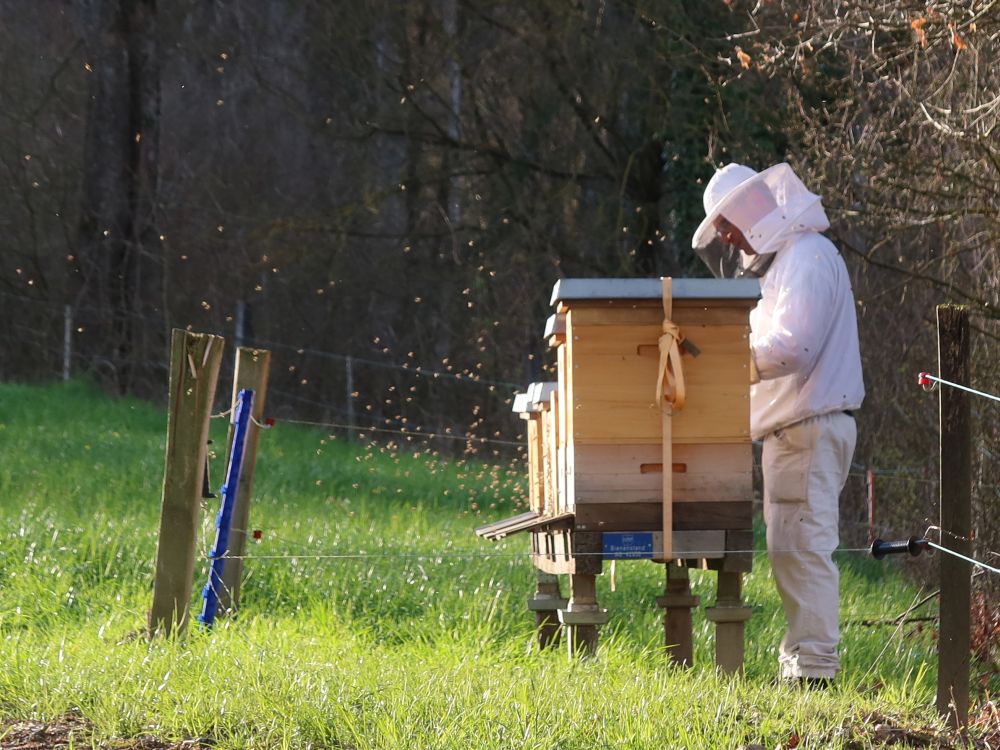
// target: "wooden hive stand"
[[652, 374]]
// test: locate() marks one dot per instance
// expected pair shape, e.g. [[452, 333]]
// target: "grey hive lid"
[[521, 403], [539, 393], [598, 289], [554, 325]]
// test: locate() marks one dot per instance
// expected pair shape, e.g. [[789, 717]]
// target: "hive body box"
[[609, 429]]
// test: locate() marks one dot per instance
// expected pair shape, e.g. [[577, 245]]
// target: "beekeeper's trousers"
[[805, 466]]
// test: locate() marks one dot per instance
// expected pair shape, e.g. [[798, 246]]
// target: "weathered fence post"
[[67, 342], [252, 370], [956, 516], [194, 373], [349, 396]]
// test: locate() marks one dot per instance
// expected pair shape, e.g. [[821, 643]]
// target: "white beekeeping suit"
[[804, 344]]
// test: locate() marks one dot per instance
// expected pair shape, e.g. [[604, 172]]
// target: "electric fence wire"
[[418, 432], [691, 553], [479, 554], [896, 473], [228, 613], [59, 308], [329, 407], [408, 433], [899, 473], [406, 427], [967, 559], [440, 556], [900, 621], [467, 377], [418, 370], [411, 369], [709, 554], [688, 554], [473, 554], [925, 379], [927, 376]]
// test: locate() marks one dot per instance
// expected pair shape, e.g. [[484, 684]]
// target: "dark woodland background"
[[375, 186]]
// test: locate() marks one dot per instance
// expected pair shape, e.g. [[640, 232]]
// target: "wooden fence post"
[[349, 394], [956, 516], [67, 342], [252, 369], [194, 373]]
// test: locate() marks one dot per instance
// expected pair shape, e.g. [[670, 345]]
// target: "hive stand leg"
[[546, 603], [582, 615], [677, 601], [729, 616]]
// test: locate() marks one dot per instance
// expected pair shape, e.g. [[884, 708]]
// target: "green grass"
[[424, 642]]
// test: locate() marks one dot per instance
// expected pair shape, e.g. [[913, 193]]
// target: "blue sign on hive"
[[627, 545]]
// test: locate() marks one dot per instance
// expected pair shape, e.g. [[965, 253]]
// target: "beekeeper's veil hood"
[[767, 207]]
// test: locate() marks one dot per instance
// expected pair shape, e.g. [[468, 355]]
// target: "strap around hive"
[[670, 377]]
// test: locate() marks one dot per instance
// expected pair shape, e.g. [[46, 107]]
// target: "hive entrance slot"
[[658, 468]]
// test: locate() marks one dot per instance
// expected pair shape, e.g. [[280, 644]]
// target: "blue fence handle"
[[241, 418]]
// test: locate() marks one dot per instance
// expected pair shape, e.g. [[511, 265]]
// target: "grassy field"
[[416, 637]]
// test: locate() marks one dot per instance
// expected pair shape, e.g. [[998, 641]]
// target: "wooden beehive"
[[611, 440], [651, 374], [596, 436]]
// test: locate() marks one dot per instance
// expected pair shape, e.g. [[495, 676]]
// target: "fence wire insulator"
[[914, 546]]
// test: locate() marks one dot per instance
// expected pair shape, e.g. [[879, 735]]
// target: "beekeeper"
[[804, 347]]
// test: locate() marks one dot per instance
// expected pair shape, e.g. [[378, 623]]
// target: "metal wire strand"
[[960, 556], [960, 387], [526, 555]]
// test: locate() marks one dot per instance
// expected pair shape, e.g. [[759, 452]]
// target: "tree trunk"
[[117, 231]]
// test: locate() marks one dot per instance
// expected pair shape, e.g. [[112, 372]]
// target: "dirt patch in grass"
[[876, 730], [72, 731]]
